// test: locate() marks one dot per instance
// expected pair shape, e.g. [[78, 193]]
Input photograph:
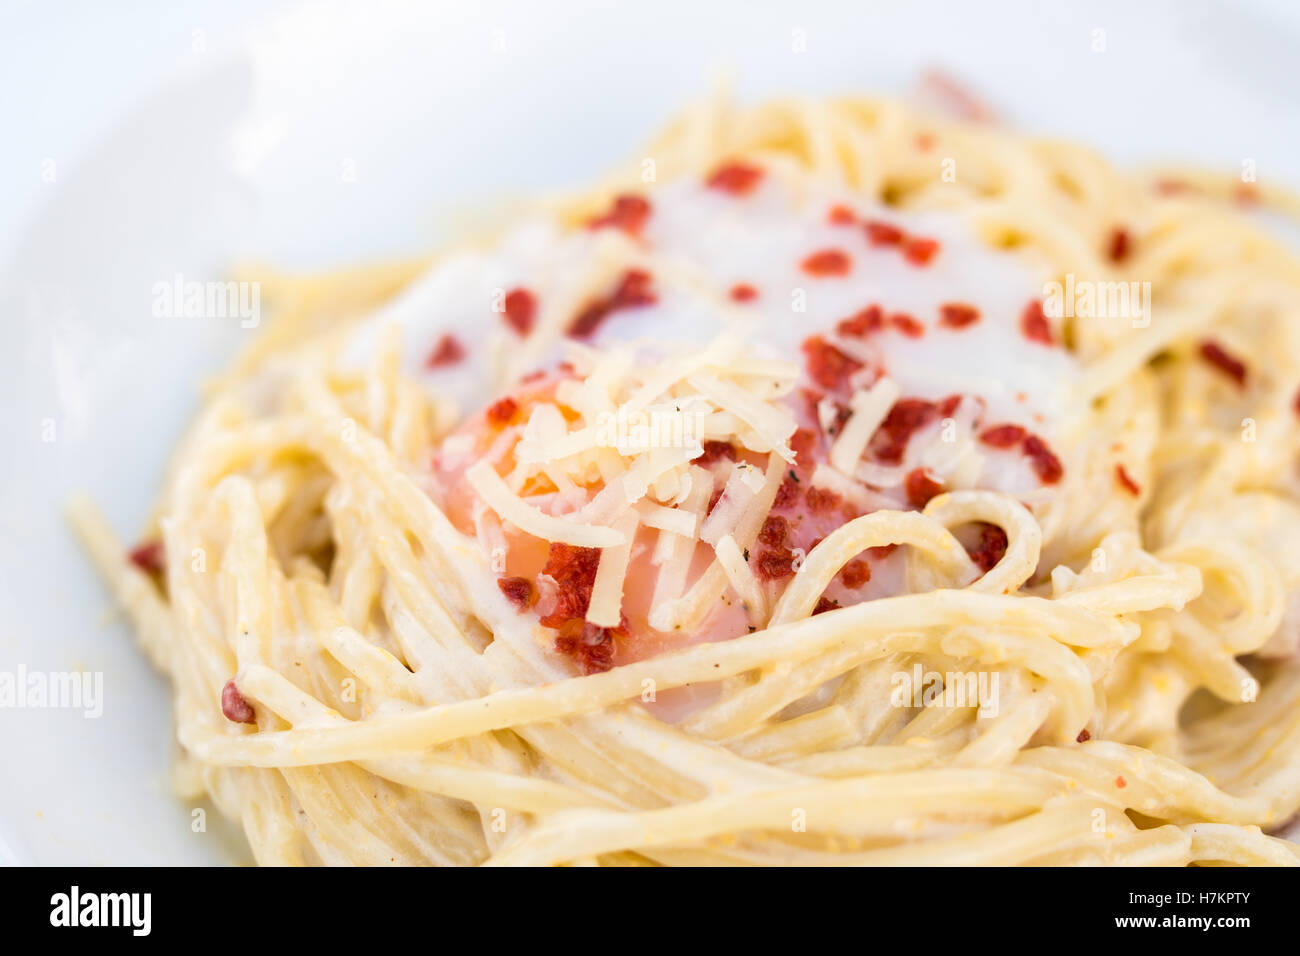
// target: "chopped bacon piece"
[[949, 405], [803, 443], [774, 531], [1119, 241], [958, 315], [1046, 465], [1002, 436], [743, 292], [448, 351], [234, 706], [1226, 363], [1083, 737], [519, 591], [827, 263], [919, 251], [521, 310], [147, 556], [1125, 479], [825, 604], [822, 500], [921, 487], [574, 571], [991, 547], [738, 179], [787, 494], [591, 647], [502, 412], [1121, 782], [862, 322], [627, 212], [715, 451], [827, 365], [908, 324], [855, 574], [775, 564], [841, 216], [883, 233], [1034, 324], [906, 417], [633, 290]]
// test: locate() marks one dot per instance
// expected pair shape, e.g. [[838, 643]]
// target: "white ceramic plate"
[[141, 144]]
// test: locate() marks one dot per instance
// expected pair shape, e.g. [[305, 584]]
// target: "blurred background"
[[148, 139]]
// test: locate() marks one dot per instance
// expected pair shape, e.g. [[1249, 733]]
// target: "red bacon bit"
[[908, 324], [591, 647], [1046, 465], [633, 290], [787, 494], [147, 556], [855, 574], [803, 443], [1125, 479], [924, 142], [957, 315], [919, 251], [870, 319], [1121, 782], [574, 571], [1119, 241], [883, 233], [627, 212], [949, 405], [921, 487], [234, 706], [841, 216], [775, 564], [906, 417], [519, 591], [738, 179], [1002, 436], [448, 351], [1083, 737], [502, 412], [774, 531], [716, 451], [827, 263], [825, 604], [822, 500], [991, 547], [828, 366], [743, 292], [1230, 366], [1034, 324], [521, 310]]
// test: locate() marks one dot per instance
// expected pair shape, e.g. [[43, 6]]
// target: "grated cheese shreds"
[[494, 492], [869, 409], [741, 577], [773, 425], [677, 520], [606, 607]]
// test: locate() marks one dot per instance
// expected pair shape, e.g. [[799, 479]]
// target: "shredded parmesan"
[[494, 492], [606, 607], [869, 410]]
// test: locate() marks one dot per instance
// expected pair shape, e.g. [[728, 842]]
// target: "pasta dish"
[[837, 484]]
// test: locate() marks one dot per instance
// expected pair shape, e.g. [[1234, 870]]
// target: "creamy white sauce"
[[761, 239]]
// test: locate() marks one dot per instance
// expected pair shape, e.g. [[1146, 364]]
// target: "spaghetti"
[[882, 544]]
